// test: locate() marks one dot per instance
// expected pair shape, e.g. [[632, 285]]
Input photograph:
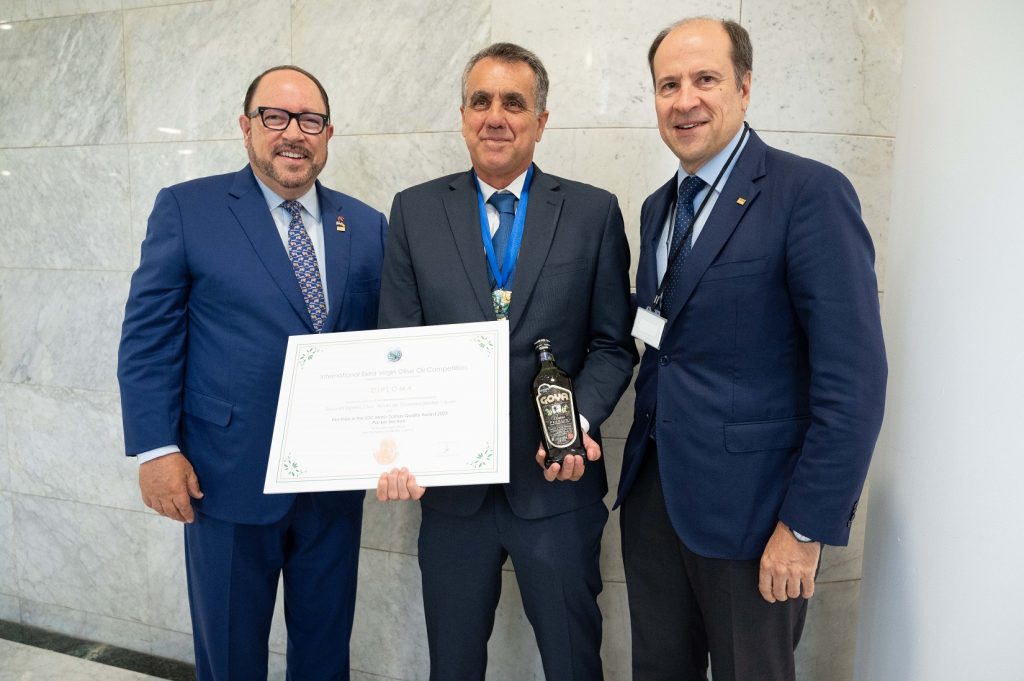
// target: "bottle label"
[[557, 414]]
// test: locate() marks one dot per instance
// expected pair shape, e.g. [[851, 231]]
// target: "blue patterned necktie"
[[688, 190], [505, 203], [307, 271]]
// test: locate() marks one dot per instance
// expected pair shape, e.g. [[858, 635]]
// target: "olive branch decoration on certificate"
[[483, 459], [291, 467], [306, 354], [486, 343]]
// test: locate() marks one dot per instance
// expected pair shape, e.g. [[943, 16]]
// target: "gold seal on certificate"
[[432, 399], [386, 452]]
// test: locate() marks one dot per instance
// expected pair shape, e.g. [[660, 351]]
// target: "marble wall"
[[105, 101]]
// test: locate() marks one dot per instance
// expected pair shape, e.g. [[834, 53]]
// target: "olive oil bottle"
[[556, 405]]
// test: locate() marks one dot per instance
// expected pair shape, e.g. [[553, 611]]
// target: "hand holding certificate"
[[430, 399]]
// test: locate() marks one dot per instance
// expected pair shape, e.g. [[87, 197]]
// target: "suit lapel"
[[250, 209], [722, 221], [647, 270], [542, 211], [337, 252], [461, 207]]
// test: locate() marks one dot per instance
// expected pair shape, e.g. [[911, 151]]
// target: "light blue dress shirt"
[[708, 172]]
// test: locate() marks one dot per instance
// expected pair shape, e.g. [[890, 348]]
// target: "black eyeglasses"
[[279, 119]]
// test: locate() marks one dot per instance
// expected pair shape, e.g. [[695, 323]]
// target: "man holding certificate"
[[233, 265], [504, 240]]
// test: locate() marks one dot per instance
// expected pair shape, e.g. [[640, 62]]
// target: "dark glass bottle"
[[556, 405]]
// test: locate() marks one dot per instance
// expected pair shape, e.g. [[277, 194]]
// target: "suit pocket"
[[566, 267], [760, 436], [217, 412], [364, 285], [738, 268]]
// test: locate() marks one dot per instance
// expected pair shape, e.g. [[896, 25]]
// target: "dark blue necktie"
[[505, 202], [688, 190]]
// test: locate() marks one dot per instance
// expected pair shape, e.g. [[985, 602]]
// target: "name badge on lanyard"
[[501, 296], [649, 324]]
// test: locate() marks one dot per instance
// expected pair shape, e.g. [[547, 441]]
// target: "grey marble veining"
[[363, 676], [512, 653], [629, 163], [373, 168], [139, 4], [596, 54], [277, 667], [611, 541], [61, 328], [10, 608], [5, 460], [616, 645], [63, 82], [81, 557], [867, 162], [174, 645], [19, 10], [390, 67], [159, 165], [389, 636], [66, 444], [826, 66], [841, 564], [101, 84], [278, 631], [829, 641], [64, 208], [8, 556], [188, 66], [390, 526], [166, 587], [621, 420]]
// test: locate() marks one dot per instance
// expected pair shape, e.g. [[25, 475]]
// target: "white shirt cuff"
[[156, 453]]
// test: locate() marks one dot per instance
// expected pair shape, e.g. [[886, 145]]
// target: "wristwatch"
[[803, 539]]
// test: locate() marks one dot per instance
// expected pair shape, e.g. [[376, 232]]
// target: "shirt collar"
[[515, 186], [709, 171], [309, 200]]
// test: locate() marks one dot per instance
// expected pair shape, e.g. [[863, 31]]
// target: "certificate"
[[433, 399]]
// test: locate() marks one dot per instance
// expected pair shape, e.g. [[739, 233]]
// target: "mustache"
[[293, 148]]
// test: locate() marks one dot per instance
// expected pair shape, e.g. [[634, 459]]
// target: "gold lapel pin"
[[741, 201], [340, 224]]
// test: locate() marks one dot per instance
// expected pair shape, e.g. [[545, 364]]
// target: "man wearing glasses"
[[231, 266]]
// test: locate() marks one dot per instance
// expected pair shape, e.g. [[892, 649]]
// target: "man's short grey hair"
[[741, 54], [511, 53]]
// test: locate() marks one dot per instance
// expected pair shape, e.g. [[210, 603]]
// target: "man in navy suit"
[[569, 283], [760, 393], [233, 265]]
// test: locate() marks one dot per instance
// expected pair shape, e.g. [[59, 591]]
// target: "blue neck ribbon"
[[503, 276]]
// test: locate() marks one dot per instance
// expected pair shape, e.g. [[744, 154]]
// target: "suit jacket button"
[[664, 360]]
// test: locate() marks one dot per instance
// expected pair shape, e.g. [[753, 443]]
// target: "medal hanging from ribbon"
[[501, 296]]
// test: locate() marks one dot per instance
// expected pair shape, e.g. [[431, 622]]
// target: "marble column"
[[942, 594]]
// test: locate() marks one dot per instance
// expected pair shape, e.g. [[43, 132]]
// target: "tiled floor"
[[20, 662]]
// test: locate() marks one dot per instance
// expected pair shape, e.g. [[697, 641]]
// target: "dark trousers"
[[684, 608], [233, 573], [556, 561]]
